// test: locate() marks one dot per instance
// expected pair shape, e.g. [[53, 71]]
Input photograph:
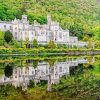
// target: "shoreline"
[[46, 52]]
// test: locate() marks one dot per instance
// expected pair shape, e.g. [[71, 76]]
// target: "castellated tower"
[[24, 18], [15, 28], [49, 19]]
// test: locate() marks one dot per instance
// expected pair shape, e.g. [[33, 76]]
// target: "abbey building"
[[22, 30]]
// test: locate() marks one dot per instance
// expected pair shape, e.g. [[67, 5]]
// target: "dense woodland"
[[81, 17]]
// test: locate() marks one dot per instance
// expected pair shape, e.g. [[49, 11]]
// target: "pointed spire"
[[15, 20]]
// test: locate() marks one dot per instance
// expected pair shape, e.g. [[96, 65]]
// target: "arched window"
[[10, 27], [60, 35], [15, 28], [60, 69], [15, 35]]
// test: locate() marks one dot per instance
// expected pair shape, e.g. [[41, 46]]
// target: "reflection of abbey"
[[22, 75], [22, 30]]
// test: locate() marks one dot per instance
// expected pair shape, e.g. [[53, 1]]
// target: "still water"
[[70, 78]]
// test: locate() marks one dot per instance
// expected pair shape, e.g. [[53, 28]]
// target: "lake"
[[54, 78]]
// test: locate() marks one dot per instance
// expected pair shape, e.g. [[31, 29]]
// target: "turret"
[[49, 19], [15, 21], [24, 18]]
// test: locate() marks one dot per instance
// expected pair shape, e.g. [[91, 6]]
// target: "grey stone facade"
[[22, 30]]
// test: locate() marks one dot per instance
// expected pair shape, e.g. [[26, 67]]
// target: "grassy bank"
[[47, 52]]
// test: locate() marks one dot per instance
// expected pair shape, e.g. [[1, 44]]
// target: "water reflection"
[[35, 71], [8, 70]]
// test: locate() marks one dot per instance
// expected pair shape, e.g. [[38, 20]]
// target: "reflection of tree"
[[31, 84], [23, 63], [88, 66], [90, 60], [51, 70], [51, 62], [8, 70], [49, 88], [42, 83], [77, 70], [35, 63]]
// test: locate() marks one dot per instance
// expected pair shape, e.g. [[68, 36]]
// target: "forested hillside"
[[81, 17]]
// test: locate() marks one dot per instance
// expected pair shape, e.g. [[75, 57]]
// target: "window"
[[10, 27], [32, 33], [16, 72], [42, 73], [60, 35], [60, 69], [32, 72], [46, 71], [15, 76], [26, 72], [25, 33], [4, 78], [42, 33], [4, 26], [15, 28], [15, 35], [56, 74]]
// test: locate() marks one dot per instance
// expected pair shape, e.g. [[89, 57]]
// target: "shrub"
[[8, 36], [35, 43], [51, 44]]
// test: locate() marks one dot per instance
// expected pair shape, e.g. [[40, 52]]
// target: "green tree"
[[1, 35], [96, 33], [51, 44], [51, 62], [97, 43], [8, 70], [8, 36], [27, 42], [1, 38], [90, 43], [35, 43], [35, 63], [15, 44], [85, 38]]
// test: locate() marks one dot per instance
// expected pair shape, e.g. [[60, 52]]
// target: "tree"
[[35, 43], [8, 36], [1, 35], [97, 43], [51, 62], [51, 44], [85, 38], [15, 44], [1, 38], [35, 63], [27, 42], [90, 43], [96, 32], [8, 70]]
